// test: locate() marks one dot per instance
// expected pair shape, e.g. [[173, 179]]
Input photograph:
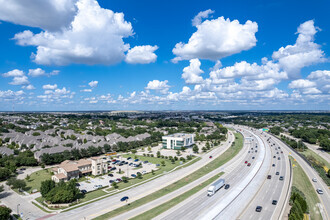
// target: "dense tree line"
[[276, 130], [297, 145], [313, 135], [298, 205], [62, 192]]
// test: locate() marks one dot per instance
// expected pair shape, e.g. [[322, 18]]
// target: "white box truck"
[[215, 187]]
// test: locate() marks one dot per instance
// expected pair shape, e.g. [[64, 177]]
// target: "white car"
[[319, 191], [314, 180]]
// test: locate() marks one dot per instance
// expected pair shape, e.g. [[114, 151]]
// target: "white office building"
[[177, 141]]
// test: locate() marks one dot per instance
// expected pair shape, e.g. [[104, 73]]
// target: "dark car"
[[259, 208], [249, 164], [110, 174], [121, 164], [252, 158], [256, 151], [210, 157], [83, 191], [281, 178], [146, 161], [274, 156], [227, 186], [269, 177], [128, 158], [113, 168], [136, 160], [133, 175], [248, 151], [139, 173], [277, 152], [277, 173], [111, 181], [278, 158], [157, 165], [23, 168], [119, 180], [273, 165], [274, 202], [124, 199], [77, 184]]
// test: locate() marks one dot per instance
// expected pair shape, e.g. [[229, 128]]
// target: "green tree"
[[152, 172], [114, 185], [139, 175], [27, 178], [133, 151], [125, 179], [149, 148], [158, 154], [163, 163], [195, 149], [204, 149], [5, 212], [46, 186], [178, 153], [1, 188], [4, 174]]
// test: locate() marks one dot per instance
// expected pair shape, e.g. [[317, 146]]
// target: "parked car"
[[133, 175], [113, 168], [227, 186], [274, 202], [124, 199], [83, 191], [128, 158], [258, 208], [118, 180], [111, 181], [157, 165], [77, 184], [139, 173], [136, 160], [146, 161], [110, 174], [144, 172], [319, 191]]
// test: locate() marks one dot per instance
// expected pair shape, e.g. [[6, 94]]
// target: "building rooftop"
[[179, 135]]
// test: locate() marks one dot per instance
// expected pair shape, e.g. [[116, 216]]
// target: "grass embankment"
[[36, 178], [302, 182], [310, 153], [217, 162], [173, 202]]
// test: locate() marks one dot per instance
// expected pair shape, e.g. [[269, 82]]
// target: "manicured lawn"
[[217, 162], [36, 178], [309, 152], [302, 182], [173, 202], [92, 195]]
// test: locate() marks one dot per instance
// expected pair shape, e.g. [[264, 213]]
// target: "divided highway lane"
[[272, 189], [196, 206], [108, 204]]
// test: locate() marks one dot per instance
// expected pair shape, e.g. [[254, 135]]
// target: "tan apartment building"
[[68, 169]]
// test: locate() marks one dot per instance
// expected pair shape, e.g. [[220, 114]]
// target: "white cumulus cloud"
[[13, 73], [217, 38], [158, 85], [141, 54], [49, 87], [191, 73], [93, 84], [20, 80]]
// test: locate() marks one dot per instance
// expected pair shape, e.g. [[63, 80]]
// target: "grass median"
[[173, 202], [217, 162], [302, 182]]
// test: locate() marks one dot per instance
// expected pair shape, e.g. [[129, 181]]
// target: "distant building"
[[177, 141], [68, 169]]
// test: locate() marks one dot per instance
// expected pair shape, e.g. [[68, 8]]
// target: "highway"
[[108, 204], [272, 189]]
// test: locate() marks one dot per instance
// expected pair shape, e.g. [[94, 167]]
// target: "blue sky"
[[164, 55]]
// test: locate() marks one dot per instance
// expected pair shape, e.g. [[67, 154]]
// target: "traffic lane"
[[112, 202], [311, 173], [195, 205], [271, 190]]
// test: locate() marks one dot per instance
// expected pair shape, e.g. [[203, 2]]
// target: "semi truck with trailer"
[[215, 187]]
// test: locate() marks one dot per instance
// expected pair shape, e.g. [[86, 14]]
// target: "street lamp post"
[[17, 208]]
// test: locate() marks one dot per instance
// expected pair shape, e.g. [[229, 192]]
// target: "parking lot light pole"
[[17, 208]]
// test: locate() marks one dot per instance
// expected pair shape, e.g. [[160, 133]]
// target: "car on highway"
[[253, 158], [124, 199], [281, 178], [210, 157], [248, 151], [314, 179], [227, 186], [273, 165], [274, 202], [277, 153], [278, 158], [277, 173], [256, 151], [258, 208], [246, 161], [274, 156], [319, 191], [269, 177], [249, 164]]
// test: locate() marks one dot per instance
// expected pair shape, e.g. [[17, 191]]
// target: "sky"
[[78, 55]]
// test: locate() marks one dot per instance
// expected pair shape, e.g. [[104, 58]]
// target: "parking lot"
[[128, 168]]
